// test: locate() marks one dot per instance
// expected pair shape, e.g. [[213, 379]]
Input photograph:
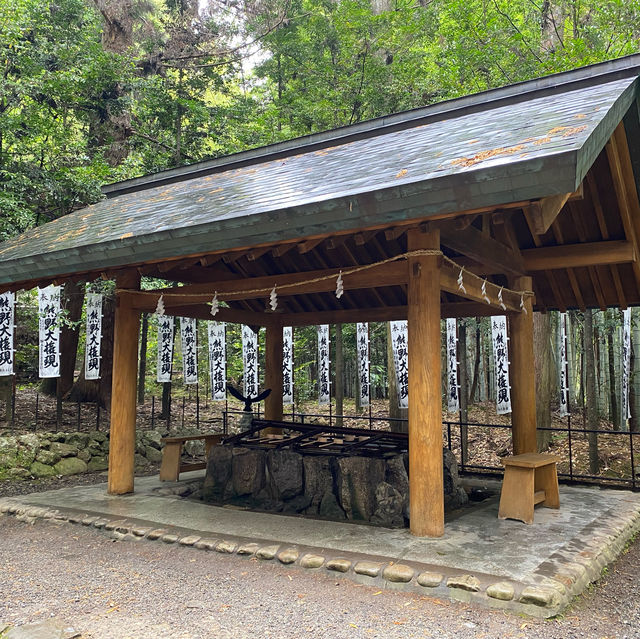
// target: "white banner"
[[453, 396], [399, 342], [7, 314], [626, 363], [287, 365], [324, 382], [564, 367], [93, 337], [362, 360], [165, 347], [49, 328], [189, 343], [217, 360], [250, 361], [501, 358]]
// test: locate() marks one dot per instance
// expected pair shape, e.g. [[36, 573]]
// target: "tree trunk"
[[395, 412], [339, 376], [6, 392], [544, 377], [464, 391], [592, 409], [476, 366], [142, 364]]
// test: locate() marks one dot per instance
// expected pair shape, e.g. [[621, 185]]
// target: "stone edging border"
[[554, 583]]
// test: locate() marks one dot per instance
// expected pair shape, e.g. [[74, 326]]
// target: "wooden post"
[[426, 488], [122, 441], [523, 383], [273, 372]]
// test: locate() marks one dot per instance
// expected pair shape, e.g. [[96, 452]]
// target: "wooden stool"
[[529, 479]]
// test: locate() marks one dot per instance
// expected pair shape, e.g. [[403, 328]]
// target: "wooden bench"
[[171, 465], [529, 479]]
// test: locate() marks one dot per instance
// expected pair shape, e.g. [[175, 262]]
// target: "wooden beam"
[[123, 394], [231, 315], [426, 487], [579, 255], [544, 211], [523, 391], [484, 249], [309, 245]]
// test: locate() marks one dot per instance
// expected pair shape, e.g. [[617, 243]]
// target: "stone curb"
[[554, 583]]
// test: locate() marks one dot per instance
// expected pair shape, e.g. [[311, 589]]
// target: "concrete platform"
[[536, 569]]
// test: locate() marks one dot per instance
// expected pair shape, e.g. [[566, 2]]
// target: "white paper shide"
[[453, 395], [324, 385], [287, 365], [250, 361], [626, 363], [563, 367], [7, 311], [93, 337], [217, 360], [49, 330], [501, 359], [362, 357], [165, 348], [399, 342], [189, 342]]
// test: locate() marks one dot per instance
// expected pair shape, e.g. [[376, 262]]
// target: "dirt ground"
[[108, 589]]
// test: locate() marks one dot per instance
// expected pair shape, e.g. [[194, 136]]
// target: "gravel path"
[[143, 590]]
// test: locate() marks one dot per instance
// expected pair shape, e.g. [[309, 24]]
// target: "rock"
[[84, 455], [464, 582], [318, 479], [368, 568], [189, 540], [329, 507], [284, 469], [98, 463], [169, 538], [194, 448], [288, 556], [248, 471], [206, 544], [156, 534], [140, 460], [79, 440], [226, 546], [396, 475], [538, 596], [28, 447], [502, 590], [218, 473], [153, 454], [41, 470], [8, 452], [389, 506], [297, 504], [153, 438], [70, 466], [63, 450], [48, 629], [97, 436], [18, 473], [267, 552], [339, 565], [357, 480], [312, 561], [454, 495], [398, 573], [430, 579], [248, 549], [47, 457]]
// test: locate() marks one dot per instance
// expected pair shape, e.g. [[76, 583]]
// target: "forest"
[[97, 91]]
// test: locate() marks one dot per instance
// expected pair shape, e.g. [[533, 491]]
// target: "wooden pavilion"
[[533, 187]]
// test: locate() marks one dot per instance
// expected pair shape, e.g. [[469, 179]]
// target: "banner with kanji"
[[626, 363], [453, 396], [362, 362], [49, 331], [93, 337], [501, 359], [250, 361], [7, 312], [399, 343], [217, 360], [189, 343], [165, 348], [324, 382], [563, 367], [287, 365]]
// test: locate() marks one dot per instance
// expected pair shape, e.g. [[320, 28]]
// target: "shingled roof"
[[497, 150]]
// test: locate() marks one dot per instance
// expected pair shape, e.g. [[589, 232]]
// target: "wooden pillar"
[[273, 372], [426, 489], [522, 373], [122, 441]]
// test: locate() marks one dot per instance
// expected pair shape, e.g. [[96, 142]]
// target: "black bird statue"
[[248, 400]]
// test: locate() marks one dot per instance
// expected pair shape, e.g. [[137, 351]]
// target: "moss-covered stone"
[[84, 455], [100, 462], [47, 457], [41, 470], [63, 449], [70, 466], [153, 454], [8, 452]]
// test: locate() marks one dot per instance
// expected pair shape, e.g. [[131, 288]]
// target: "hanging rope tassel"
[[215, 305], [483, 290], [502, 306], [273, 299], [160, 307], [460, 284], [339, 286], [522, 306]]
